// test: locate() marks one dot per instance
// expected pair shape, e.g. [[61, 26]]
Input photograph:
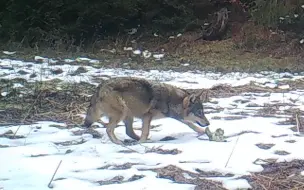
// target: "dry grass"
[[225, 56], [178, 175], [43, 101]]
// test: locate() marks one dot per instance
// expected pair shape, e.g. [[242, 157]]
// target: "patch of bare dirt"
[[125, 166], [212, 173], [281, 152], [126, 151], [159, 150], [265, 146], [70, 143], [279, 136], [119, 180], [10, 135], [282, 175], [168, 138], [290, 141], [94, 133], [78, 71], [178, 175], [38, 155], [226, 90]]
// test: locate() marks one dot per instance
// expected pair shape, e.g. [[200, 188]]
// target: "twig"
[[299, 182], [28, 113], [146, 148], [263, 176], [27, 136], [49, 185], [258, 179], [131, 149], [153, 149], [232, 151], [299, 125]]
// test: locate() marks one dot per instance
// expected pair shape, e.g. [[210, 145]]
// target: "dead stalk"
[[299, 125], [130, 149], [27, 114], [232, 151], [49, 185]]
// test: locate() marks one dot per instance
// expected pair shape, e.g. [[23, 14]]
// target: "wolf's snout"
[[203, 124]]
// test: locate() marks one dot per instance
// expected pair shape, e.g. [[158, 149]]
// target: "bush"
[[72, 21], [67, 23], [287, 15]]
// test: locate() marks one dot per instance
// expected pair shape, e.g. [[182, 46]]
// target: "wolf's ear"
[[186, 102], [188, 99], [203, 95]]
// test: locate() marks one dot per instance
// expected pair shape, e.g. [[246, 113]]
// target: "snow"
[[188, 79], [29, 163]]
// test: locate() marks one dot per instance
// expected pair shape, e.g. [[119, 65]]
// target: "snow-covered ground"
[[29, 163]]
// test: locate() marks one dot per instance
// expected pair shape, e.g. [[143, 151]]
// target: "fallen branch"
[[299, 125]]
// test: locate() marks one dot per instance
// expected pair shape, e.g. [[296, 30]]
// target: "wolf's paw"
[[217, 136]]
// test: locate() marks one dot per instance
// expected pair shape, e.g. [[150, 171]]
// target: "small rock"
[[253, 105], [167, 138], [241, 101], [281, 152], [68, 151], [264, 146], [290, 141], [7, 67]]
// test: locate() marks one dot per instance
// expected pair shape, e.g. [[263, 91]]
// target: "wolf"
[[126, 98]]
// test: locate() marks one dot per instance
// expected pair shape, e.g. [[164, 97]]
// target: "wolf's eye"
[[199, 112]]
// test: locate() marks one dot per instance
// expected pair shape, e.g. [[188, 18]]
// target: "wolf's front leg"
[[110, 131], [195, 128]]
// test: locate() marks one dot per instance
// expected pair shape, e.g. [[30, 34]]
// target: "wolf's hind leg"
[[129, 128], [145, 127]]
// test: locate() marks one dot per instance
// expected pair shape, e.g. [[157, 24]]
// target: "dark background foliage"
[[47, 22]]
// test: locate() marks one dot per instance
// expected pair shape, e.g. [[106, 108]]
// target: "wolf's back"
[[126, 86]]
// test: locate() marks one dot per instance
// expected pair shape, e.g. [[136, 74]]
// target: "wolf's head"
[[93, 111], [193, 109]]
